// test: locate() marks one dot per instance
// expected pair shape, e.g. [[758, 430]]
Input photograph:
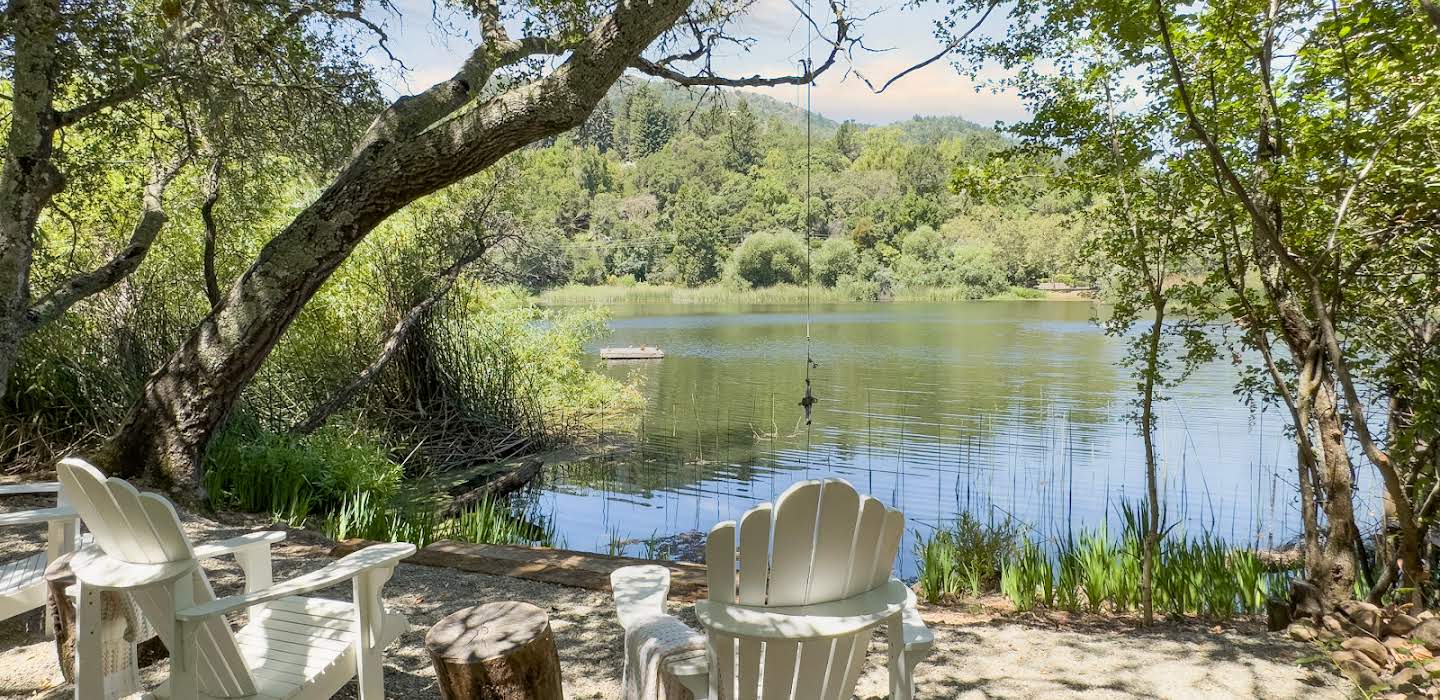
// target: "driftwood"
[[485, 487], [495, 651]]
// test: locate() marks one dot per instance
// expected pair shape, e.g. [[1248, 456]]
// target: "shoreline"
[[574, 295], [981, 651]]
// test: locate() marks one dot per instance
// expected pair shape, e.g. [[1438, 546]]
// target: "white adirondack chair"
[[22, 581], [293, 647], [813, 584]]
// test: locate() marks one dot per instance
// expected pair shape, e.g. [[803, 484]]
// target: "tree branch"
[[954, 44], [706, 77], [395, 339], [207, 216], [152, 220]]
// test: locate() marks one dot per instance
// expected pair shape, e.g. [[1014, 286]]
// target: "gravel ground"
[[975, 657]]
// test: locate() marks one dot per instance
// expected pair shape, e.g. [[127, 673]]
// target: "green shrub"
[[974, 268], [870, 281], [835, 258], [964, 558], [768, 258], [287, 475], [1027, 577]]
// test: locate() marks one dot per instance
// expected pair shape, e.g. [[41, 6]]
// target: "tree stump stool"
[[495, 651]]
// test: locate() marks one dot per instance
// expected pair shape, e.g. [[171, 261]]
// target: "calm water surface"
[[1003, 409]]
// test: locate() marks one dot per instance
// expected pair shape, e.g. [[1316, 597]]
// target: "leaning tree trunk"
[[405, 155]]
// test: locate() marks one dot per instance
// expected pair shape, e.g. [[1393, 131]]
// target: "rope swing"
[[808, 401]]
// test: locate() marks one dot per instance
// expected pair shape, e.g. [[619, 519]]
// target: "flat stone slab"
[[564, 567]]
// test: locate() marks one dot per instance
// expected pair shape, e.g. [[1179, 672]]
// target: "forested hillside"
[[667, 186]]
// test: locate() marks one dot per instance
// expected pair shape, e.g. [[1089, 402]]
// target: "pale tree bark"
[[29, 181], [29, 178], [419, 145], [1152, 482]]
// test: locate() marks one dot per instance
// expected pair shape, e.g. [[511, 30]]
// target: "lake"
[[1000, 408]]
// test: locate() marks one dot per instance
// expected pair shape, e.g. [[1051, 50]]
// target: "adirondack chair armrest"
[[30, 488], [915, 635], [819, 621], [39, 516], [214, 550], [343, 569], [93, 567], [639, 592]]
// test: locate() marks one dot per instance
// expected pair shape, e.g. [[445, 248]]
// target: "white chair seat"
[[298, 642], [22, 582], [20, 573]]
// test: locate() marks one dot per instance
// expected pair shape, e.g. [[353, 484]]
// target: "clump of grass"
[[1094, 570], [1027, 578], [964, 558], [483, 522], [292, 476], [1067, 585]]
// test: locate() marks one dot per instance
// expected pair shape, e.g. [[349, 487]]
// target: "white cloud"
[[934, 90]]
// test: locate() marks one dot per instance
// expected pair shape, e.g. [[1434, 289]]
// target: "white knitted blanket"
[[647, 646]]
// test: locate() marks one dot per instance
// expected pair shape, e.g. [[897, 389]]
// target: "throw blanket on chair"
[[647, 646]]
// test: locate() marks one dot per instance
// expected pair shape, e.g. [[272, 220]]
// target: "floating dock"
[[641, 353]]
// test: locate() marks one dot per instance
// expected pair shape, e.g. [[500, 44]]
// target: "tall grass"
[[1027, 578], [484, 522], [1097, 571], [964, 558], [576, 295]]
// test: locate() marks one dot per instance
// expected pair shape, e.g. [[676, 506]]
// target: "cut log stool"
[[495, 651]]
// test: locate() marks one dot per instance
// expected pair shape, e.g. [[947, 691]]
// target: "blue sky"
[[431, 55]]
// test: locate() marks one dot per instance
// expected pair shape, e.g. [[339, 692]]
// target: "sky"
[[904, 35]]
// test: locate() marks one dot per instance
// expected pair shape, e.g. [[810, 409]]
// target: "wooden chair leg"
[[369, 623], [901, 665], [89, 667]]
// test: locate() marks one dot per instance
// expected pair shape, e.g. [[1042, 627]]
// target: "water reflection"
[[1003, 409]]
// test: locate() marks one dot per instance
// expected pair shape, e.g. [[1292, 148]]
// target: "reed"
[[574, 295], [964, 558], [1027, 578], [1094, 571], [483, 522]]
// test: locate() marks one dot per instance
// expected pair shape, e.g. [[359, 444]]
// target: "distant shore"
[[778, 294]]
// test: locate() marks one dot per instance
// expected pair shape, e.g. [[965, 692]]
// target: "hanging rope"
[[808, 402]]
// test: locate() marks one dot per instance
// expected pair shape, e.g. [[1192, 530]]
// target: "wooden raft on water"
[[644, 352]]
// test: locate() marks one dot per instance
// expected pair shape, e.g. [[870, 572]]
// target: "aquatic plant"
[[1027, 577], [963, 558], [484, 522]]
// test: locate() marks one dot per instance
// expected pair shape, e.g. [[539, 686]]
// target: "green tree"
[[698, 251], [835, 258], [643, 125], [847, 140], [769, 258], [742, 139], [1312, 167]]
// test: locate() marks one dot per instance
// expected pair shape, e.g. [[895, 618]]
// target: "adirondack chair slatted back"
[[820, 542], [145, 529]]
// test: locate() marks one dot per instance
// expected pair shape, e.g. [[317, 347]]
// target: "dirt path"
[[1002, 658]]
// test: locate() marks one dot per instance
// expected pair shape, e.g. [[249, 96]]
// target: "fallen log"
[[488, 487]]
